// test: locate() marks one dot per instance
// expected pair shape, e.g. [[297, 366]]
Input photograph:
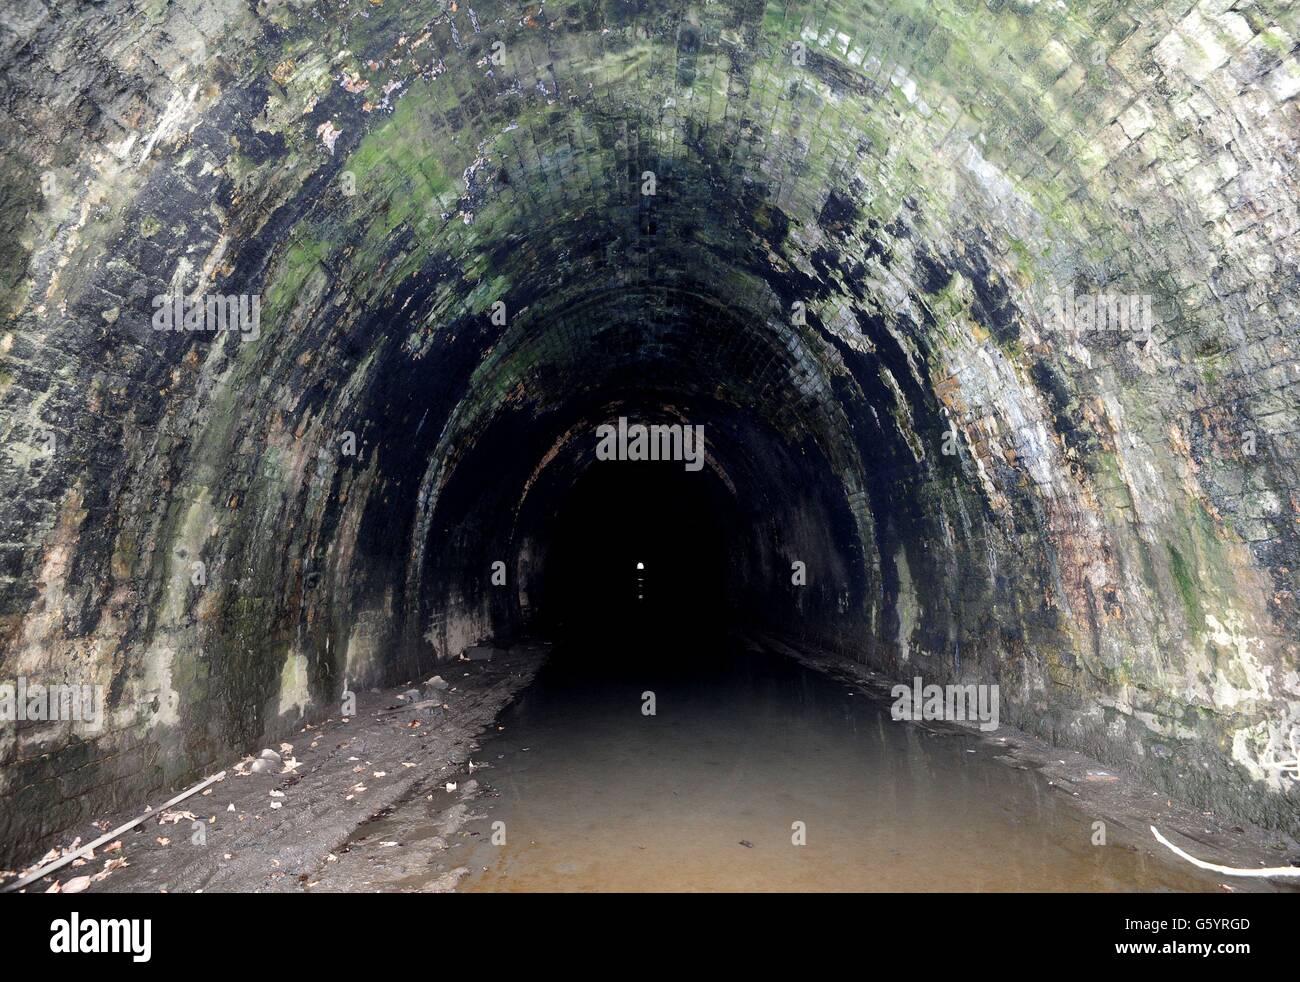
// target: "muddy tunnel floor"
[[651, 446], [580, 788]]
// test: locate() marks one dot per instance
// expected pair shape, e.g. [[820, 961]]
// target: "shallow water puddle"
[[708, 794]]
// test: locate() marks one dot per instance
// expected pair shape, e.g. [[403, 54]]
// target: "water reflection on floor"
[[704, 795]]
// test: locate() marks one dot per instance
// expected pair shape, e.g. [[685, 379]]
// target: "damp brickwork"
[[880, 249]]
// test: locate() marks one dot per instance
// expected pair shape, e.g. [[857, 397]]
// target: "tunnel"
[[723, 364]]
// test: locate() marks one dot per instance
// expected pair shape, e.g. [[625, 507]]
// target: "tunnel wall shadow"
[[870, 257]]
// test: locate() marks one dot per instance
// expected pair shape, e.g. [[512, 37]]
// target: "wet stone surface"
[[591, 794], [276, 819], [853, 271]]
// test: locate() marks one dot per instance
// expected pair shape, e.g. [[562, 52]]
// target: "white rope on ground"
[[1226, 870], [62, 861]]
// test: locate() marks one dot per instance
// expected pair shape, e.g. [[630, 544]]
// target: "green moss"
[[408, 147], [294, 268], [774, 21], [1024, 258], [1188, 589], [1279, 44]]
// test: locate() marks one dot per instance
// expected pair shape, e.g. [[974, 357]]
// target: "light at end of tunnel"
[[640, 565]]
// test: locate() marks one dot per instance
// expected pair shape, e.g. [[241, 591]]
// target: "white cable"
[[1226, 870]]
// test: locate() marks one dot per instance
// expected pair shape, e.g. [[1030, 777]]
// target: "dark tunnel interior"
[[688, 373], [635, 548]]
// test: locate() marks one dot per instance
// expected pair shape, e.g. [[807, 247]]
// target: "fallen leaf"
[[112, 866]]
